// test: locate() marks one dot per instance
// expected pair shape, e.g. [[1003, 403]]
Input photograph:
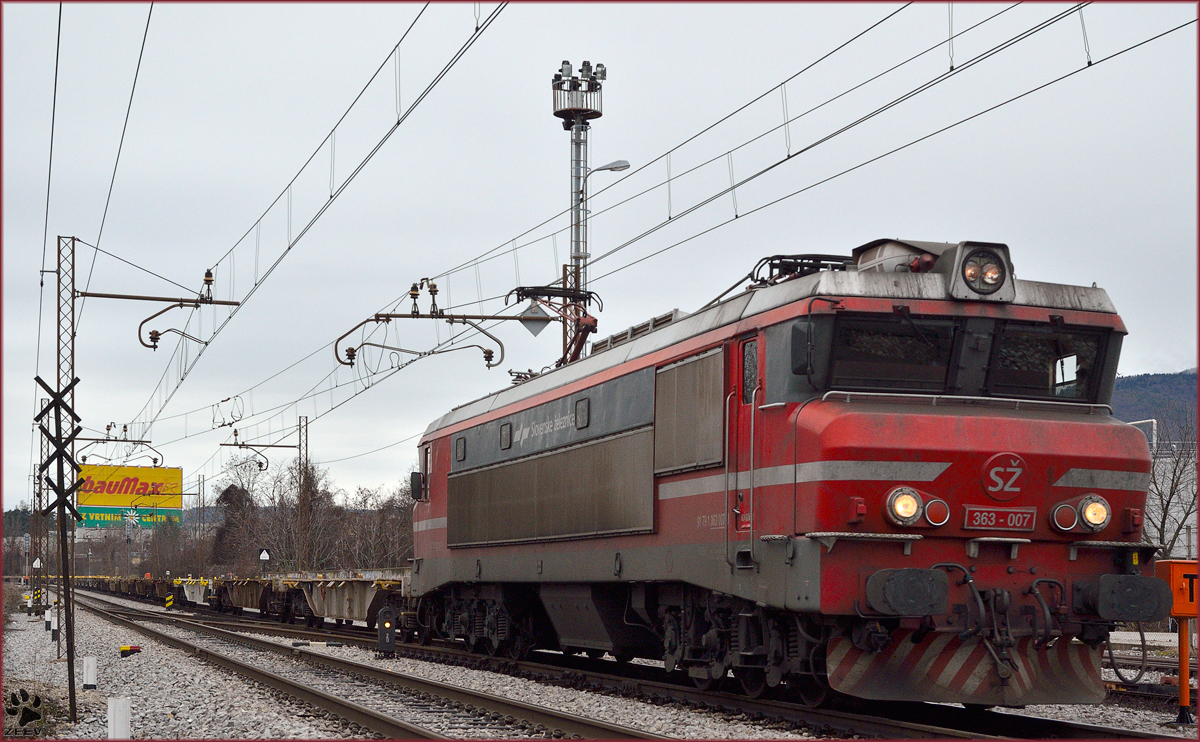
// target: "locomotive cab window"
[[749, 370], [505, 436], [893, 353], [460, 449], [426, 468], [1046, 361]]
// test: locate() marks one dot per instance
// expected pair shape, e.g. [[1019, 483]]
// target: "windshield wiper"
[[903, 311]]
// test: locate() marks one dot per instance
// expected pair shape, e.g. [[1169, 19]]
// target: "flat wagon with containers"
[[892, 475]]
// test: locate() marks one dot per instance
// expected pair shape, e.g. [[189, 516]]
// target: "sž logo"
[[1001, 476]]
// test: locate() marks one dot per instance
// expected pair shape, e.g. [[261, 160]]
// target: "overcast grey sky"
[[1091, 179]]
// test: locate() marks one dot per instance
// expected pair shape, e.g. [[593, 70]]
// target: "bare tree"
[[381, 527], [1171, 495]]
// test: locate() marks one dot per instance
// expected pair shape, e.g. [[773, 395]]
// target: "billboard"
[[111, 496]]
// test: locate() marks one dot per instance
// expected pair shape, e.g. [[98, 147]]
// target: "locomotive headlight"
[[983, 271], [904, 506], [1094, 512]]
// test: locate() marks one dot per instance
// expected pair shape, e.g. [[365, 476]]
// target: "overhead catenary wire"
[[37, 357], [705, 130], [349, 179], [907, 145], [493, 254], [937, 79], [135, 265], [553, 236], [868, 162], [902, 147], [455, 337], [120, 146], [256, 227]]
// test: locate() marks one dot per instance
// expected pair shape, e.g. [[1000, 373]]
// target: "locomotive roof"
[[757, 301]]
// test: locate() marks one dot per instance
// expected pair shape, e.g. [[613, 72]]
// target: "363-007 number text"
[[1000, 519]]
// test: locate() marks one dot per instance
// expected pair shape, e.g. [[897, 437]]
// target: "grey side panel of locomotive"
[[689, 413], [780, 582], [614, 406], [604, 487]]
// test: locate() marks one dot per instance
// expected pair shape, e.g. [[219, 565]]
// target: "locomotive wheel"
[[594, 654], [518, 647], [753, 680], [814, 692], [706, 683], [622, 658]]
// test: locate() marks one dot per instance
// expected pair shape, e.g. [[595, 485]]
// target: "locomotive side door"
[[746, 396]]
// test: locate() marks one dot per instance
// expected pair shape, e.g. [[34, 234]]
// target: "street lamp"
[[615, 166]]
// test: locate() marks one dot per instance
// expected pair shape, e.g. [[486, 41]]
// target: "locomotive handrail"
[[753, 405], [934, 399], [727, 400]]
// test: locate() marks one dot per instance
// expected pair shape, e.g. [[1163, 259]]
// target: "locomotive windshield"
[[972, 357], [1044, 361], [892, 354]]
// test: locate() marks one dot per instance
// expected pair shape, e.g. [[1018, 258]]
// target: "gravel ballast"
[[668, 719], [172, 695]]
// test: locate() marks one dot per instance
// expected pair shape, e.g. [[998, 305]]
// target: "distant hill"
[[1148, 396]]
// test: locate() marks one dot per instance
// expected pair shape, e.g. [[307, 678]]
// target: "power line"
[[37, 359], [718, 122], [482, 258], [863, 164], [135, 265], [937, 79], [120, 146], [927, 85], [903, 147], [493, 255], [824, 181], [310, 393], [449, 65], [258, 222]]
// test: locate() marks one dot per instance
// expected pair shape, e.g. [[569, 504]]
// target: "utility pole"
[[41, 526], [304, 498]]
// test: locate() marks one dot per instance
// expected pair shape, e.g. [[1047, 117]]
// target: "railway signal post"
[[1180, 575]]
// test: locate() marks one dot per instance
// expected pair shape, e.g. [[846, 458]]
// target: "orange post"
[[1185, 673], [1181, 576]]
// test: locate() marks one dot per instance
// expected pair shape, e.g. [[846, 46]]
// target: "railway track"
[[888, 720], [431, 710]]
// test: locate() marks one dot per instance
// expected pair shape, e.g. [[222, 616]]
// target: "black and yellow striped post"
[[170, 601]]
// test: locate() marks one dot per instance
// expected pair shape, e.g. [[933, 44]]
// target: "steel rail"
[[536, 716], [365, 717], [891, 720]]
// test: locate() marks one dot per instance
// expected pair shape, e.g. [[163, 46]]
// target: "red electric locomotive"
[[894, 475]]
